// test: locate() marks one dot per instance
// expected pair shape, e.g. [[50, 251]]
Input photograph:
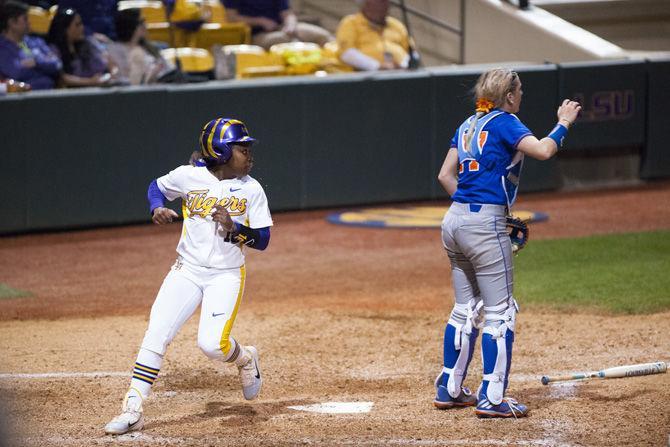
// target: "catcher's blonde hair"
[[491, 91]]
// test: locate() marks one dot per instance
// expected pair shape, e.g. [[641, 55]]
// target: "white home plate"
[[336, 407]]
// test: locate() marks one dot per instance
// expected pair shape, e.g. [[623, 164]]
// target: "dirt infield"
[[339, 314]]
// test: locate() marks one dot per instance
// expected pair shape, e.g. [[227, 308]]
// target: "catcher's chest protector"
[[488, 169]]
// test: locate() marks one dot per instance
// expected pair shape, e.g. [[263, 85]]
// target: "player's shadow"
[[233, 414]]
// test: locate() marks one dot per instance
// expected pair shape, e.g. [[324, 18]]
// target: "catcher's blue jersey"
[[488, 173]]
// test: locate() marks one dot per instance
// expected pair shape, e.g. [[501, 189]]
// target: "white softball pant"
[[183, 290]]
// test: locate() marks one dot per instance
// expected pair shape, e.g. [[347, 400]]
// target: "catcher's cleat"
[[130, 419], [508, 408], [444, 401], [250, 372]]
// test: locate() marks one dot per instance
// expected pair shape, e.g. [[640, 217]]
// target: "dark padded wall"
[[367, 140], [613, 97], [656, 156], [14, 128]]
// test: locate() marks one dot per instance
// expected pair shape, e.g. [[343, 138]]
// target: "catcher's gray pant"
[[480, 251]]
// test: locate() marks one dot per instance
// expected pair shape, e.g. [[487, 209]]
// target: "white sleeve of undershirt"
[[358, 60]]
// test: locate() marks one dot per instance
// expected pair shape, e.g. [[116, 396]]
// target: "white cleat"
[[250, 373], [130, 419]]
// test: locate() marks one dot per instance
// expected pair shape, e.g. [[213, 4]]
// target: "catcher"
[[481, 173]]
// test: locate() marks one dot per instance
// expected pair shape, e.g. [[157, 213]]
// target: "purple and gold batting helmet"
[[218, 137]]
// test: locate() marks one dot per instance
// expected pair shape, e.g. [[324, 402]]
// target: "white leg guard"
[[497, 341], [459, 342]]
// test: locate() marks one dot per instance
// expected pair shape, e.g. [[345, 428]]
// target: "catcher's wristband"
[[557, 134]]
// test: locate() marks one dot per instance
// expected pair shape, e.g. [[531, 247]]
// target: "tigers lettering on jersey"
[[200, 204]]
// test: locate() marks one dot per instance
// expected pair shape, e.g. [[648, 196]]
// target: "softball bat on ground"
[[641, 369]]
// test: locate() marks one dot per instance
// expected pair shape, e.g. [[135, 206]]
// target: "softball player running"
[[481, 173], [224, 210]]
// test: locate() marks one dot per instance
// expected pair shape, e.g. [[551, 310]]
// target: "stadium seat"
[[177, 38], [188, 11], [244, 49], [193, 60], [153, 11], [208, 35], [295, 47], [252, 61], [39, 20], [331, 49], [331, 62], [159, 31], [223, 34], [301, 58], [263, 72], [217, 10]]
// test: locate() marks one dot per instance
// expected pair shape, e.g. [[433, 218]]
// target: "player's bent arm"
[[448, 176], [257, 238], [155, 196], [159, 214], [542, 149]]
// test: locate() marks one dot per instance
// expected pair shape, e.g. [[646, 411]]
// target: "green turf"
[[622, 273], [8, 292]]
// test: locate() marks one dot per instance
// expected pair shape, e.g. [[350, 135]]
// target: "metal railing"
[[522, 4], [459, 31]]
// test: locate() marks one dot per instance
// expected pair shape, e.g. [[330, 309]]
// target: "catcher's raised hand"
[[162, 215], [568, 112]]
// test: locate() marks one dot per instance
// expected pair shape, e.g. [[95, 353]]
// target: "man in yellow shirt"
[[372, 40]]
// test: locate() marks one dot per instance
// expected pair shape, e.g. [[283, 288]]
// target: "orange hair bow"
[[484, 105]]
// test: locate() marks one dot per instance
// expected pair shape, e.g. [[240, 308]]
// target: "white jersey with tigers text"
[[203, 242]]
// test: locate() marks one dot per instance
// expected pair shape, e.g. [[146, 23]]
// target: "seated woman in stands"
[[85, 62], [24, 58], [139, 61]]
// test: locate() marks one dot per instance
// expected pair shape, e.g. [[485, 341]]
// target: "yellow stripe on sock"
[[225, 343], [145, 369], [148, 379]]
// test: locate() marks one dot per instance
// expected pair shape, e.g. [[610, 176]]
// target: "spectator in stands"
[[22, 57], [138, 60], [372, 40], [85, 64], [98, 16], [273, 21]]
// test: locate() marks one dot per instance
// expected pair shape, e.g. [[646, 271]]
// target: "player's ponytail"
[[490, 92]]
